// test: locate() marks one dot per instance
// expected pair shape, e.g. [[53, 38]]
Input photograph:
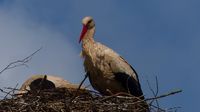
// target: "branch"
[[9, 92], [154, 93], [20, 62], [161, 96]]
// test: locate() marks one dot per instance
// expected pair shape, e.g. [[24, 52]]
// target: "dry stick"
[[161, 96], [20, 62], [9, 93], [156, 86], [158, 108], [173, 108], [154, 93], [5, 92], [115, 95]]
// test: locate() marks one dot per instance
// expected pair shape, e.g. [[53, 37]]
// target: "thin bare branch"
[[164, 95], [154, 93], [11, 92], [18, 63]]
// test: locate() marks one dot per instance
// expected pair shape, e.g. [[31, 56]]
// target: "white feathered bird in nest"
[[108, 72]]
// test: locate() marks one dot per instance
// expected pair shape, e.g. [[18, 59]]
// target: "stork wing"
[[129, 79], [122, 71]]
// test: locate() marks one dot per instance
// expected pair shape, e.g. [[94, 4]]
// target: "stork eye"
[[89, 21]]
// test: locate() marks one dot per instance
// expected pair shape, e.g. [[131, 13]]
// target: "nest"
[[59, 99], [65, 100]]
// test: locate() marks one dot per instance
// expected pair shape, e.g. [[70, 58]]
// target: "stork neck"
[[89, 37]]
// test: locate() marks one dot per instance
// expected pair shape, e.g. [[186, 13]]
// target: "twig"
[[20, 62], [158, 109], [173, 108], [154, 93], [116, 95], [161, 96], [12, 90], [4, 91]]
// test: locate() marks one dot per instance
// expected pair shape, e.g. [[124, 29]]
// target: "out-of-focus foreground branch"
[[18, 63]]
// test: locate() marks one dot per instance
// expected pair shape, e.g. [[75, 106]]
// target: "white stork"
[[108, 72], [41, 82]]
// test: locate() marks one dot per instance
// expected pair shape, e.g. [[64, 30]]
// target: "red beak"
[[84, 30]]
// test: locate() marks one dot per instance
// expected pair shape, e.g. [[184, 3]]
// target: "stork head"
[[88, 23]]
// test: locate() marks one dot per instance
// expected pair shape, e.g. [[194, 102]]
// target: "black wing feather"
[[129, 83]]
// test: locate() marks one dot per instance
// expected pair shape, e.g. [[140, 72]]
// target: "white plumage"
[[108, 72]]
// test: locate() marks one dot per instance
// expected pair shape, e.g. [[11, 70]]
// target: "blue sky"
[[158, 38]]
